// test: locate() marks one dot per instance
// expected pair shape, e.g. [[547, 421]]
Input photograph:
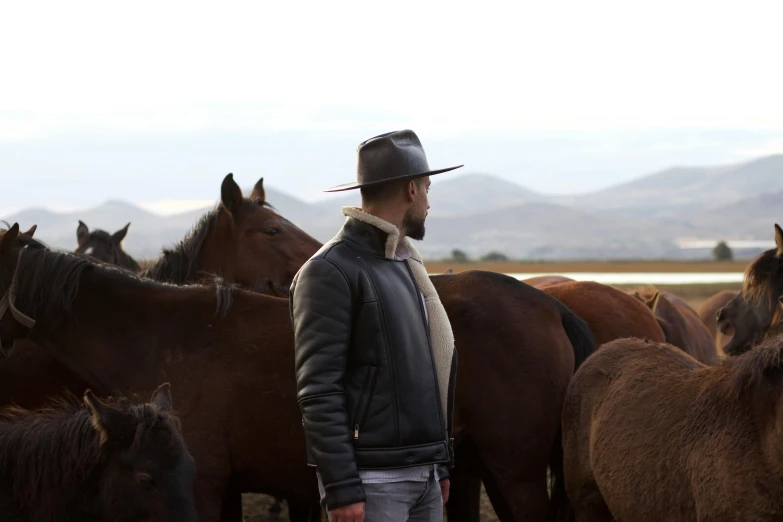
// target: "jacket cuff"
[[344, 493], [443, 472]]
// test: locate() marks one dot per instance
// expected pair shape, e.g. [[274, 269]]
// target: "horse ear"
[[106, 420], [82, 232], [258, 191], [162, 398], [9, 238], [779, 239], [31, 231], [653, 301], [118, 236], [230, 194]]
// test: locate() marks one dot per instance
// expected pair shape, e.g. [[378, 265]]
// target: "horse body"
[[511, 381], [610, 313], [651, 434]]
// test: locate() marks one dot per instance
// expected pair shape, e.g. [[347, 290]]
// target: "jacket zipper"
[[429, 341], [364, 402]]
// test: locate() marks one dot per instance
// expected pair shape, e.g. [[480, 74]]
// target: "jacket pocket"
[[364, 401]]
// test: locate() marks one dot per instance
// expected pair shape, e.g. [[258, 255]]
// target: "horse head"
[[757, 308], [147, 472], [251, 242], [103, 246]]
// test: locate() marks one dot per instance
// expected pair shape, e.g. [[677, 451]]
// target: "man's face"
[[413, 222]]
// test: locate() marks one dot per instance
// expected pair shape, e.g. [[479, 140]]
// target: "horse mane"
[[764, 278], [178, 265], [57, 446], [757, 372], [48, 282]]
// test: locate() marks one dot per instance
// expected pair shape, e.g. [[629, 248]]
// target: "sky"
[[154, 102]]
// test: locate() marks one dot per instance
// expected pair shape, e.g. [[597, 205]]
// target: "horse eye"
[[143, 478], [272, 231]]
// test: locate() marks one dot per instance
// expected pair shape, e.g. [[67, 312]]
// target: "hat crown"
[[388, 156], [391, 156]]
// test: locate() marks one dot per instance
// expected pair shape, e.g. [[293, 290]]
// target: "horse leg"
[[209, 490], [275, 509], [300, 510], [231, 508], [591, 507], [464, 503], [499, 504]]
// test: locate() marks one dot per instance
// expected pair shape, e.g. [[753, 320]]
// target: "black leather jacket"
[[366, 382]]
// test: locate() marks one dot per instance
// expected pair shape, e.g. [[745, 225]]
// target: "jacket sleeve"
[[321, 313]]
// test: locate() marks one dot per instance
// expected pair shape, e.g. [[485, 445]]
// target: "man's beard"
[[413, 226]]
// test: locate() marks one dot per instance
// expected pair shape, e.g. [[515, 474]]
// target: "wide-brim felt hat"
[[389, 157]]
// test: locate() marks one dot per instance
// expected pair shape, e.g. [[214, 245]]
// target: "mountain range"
[[480, 213]]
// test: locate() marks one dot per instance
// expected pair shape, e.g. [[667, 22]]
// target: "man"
[[375, 359]]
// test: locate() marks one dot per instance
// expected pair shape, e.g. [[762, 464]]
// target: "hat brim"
[[356, 185]]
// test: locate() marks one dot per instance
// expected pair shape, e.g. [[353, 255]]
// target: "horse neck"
[[128, 262], [120, 326]]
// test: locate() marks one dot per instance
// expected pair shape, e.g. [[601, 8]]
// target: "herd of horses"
[[575, 400]]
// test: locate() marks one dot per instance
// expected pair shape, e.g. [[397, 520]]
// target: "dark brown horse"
[[510, 384], [102, 462], [610, 313], [708, 312], [230, 352], [132, 330], [105, 247], [243, 241], [651, 434], [754, 310], [680, 324]]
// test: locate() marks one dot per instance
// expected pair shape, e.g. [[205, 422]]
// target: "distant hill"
[[479, 213], [681, 188]]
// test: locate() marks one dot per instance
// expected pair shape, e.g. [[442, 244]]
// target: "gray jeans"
[[400, 501]]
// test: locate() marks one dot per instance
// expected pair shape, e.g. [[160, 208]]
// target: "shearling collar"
[[393, 238]]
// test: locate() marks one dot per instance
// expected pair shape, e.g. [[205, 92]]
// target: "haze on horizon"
[[154, 103]]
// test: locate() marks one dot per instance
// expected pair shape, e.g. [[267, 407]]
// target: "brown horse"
[[249, 354], [243, 241], [754, 310], [546, 280], [680, 324], [651, 434], [510, 384], [708, 312], [105, 247], [230, 352], [610, 313], [102, 462]]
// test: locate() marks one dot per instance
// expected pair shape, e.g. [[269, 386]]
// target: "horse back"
[[649, 433]]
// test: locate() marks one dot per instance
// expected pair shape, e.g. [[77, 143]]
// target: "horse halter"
[[7, 303]]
